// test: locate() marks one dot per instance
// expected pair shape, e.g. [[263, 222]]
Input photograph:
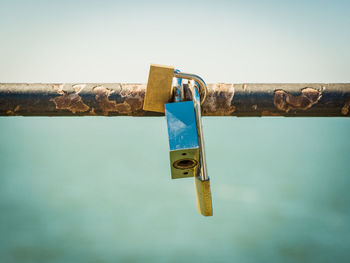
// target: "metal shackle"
[[203, 90]]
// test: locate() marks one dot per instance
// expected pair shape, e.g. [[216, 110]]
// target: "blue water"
[[96, 189]]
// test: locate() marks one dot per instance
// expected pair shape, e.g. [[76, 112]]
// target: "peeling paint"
[[134, 96], [133, 99], [284, 101], [78, 87], [14, 111], [102, 95], [345, 108], [219, 100], [69, 101], [59, 88]]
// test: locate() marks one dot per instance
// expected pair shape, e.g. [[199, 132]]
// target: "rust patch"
[[14, 111], [70, 101], [269, 113], [102, 95], [345, 108], [133, 99], [286, 102], [219, 100], [92, 112], [134, 96]]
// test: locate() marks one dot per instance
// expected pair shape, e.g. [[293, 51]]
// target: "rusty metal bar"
[[294, 100]]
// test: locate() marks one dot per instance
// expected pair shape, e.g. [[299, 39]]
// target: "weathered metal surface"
[[107, 99]]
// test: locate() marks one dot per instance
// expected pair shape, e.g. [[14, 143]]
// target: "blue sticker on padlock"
[[181, 122]]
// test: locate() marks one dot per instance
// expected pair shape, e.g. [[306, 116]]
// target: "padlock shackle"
[[203, 90], [203, 174]]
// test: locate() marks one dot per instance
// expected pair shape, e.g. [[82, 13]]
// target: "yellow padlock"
[[159, 85]]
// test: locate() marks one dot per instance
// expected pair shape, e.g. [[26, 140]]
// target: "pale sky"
[[222, 41]]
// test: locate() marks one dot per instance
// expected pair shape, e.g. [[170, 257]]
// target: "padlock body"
[[183, 139], [159, 87]]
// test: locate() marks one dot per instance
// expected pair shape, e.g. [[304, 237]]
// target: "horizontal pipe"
[[106, 99]]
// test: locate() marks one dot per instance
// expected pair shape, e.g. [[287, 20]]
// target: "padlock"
[[201, 180], [182, 134], [159, 88], [187, 156], [183, 139]]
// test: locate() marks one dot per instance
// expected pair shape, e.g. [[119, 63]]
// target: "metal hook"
[[203, 90], [197, 106]]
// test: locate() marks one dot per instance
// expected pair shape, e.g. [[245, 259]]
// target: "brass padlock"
[[159, 85], [201, 180]]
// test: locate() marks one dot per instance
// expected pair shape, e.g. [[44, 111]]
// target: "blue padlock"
[[183, 139]]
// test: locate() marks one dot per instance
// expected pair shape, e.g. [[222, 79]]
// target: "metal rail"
[[292, 100]]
